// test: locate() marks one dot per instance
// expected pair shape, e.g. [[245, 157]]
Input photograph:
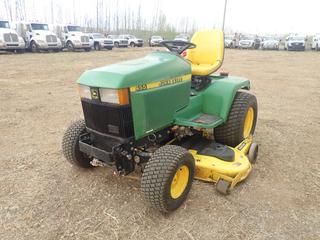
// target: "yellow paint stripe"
[[161, 83]]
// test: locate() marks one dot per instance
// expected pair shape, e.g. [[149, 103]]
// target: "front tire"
[[97, 47], [70, 46], [241, 121], [34, 47], [167, 177], [70, 145]]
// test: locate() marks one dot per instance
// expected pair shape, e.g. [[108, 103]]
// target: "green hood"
[[154, 67]]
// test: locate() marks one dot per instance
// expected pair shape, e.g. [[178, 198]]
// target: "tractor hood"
[[154, 67]]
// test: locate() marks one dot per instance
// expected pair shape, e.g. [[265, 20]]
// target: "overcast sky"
[[252, 16]]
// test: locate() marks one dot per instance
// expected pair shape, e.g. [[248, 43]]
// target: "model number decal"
[[171, 81], [161, 83]]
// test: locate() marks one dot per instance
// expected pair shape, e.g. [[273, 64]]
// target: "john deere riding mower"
[[169, 116]]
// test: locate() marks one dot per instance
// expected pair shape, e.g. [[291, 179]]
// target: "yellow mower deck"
[[212, 169]]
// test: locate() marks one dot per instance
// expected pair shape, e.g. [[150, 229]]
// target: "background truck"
[[99, 41], [38, 37], [9, 39], [155, 41], [295, 43], [249, 42], [73, 38], [133, 41], [118, 41]]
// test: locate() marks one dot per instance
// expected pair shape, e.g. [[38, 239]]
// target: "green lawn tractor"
[[169, 116]]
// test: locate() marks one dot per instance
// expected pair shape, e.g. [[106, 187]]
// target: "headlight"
[[84, 91], [118, 96]]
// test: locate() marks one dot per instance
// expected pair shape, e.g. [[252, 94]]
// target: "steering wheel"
[[178, 46]]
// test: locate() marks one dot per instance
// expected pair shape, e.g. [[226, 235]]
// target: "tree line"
[[106, 16]]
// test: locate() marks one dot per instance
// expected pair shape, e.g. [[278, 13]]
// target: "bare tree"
[[8, 7]]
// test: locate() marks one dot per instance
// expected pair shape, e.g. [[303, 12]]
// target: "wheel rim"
[[179, 182], [248, 122]]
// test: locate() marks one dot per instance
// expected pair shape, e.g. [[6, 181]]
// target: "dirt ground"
[[43, 197]]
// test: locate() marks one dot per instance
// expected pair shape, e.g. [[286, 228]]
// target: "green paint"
[[154, 67], [157, 108], [215, 100]]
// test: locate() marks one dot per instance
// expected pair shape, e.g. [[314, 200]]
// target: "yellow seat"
[[207, 57]]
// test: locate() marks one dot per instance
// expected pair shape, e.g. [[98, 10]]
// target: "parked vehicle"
[[169, 117], [270, 42], [38, 37], [132, 40], [182, 37], [229, 41], [295, 43], [155, 41], [100, 41], [73, 38], [249, 42], [118, 41], [315, 45], [9, 39]]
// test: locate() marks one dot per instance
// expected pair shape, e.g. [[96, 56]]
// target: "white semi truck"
[[73, 38], [38, 37], [9, 39]]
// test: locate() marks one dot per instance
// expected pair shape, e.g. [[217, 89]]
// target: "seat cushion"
[[204, 69]]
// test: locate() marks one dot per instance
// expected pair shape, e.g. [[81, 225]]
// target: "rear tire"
[[70, 145], [132, 44], [167, 177], [241, 121]]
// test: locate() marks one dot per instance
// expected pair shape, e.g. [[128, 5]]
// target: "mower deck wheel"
[[223, 186], [70, 145], [167, 177], [253, 153]]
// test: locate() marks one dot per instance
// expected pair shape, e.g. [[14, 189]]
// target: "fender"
[[218, 98]]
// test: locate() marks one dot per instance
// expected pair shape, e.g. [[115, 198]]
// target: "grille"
[[140, 41], [107, 118], [10, 37], [51, 38], [84, 39]]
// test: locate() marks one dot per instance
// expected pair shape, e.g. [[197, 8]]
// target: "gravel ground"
[[43, 197]]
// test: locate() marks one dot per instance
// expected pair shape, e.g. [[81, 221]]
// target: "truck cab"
[[73, 38], [38, 37], [9, 39]]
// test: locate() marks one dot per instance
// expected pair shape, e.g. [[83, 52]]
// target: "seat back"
[[207, 57]]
